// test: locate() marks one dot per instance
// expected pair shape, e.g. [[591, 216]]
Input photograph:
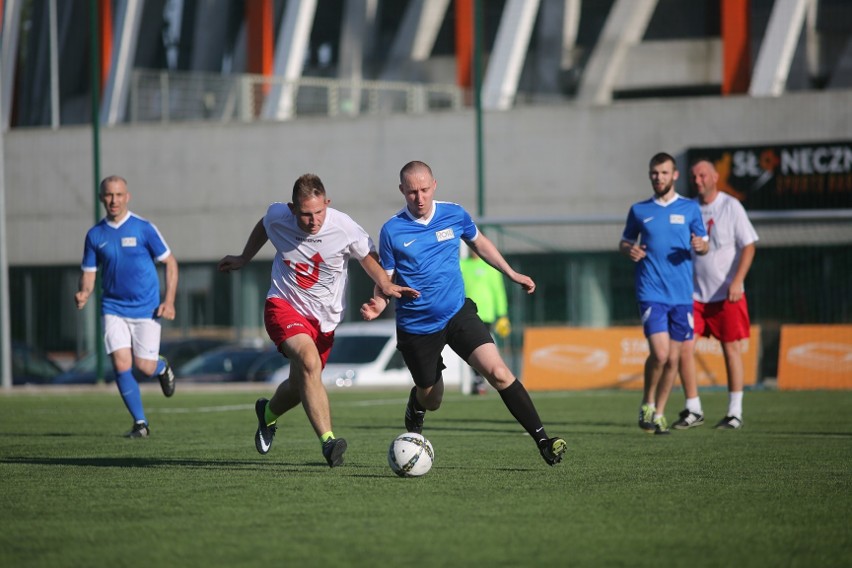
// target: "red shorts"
[[283, 322], [726, 321]]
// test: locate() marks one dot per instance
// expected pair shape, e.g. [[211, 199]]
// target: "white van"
[[365, 355]]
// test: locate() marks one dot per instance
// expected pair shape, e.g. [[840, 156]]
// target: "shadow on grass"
[[468, 470], [444, 426], [490, 426], [512, 425], [799, 434], [42, 434], [352, 470], [136, 462]]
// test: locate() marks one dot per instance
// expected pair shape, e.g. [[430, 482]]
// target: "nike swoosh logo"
[[263, 445], [408, 243], [102, 245], [647, 219]]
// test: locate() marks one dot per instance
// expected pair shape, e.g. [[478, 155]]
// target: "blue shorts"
[[676, 320]]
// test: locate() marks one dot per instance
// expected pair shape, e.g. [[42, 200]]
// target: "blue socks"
[[129, 390], [161, 366]]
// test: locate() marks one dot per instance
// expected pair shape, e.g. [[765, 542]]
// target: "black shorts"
[[422, 353]]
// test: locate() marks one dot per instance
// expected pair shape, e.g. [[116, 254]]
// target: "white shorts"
[[143, 335]]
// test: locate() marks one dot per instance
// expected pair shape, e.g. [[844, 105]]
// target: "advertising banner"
[[571, 358], [778, 177], [815, 357]]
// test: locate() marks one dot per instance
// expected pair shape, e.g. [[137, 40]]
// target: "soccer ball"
[[410, 455]]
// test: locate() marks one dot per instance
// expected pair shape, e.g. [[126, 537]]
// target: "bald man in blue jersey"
[[659, 235], [126, 248], [419, 248]]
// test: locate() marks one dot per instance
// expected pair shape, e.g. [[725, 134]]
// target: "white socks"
[[735, 404], [694, 405]]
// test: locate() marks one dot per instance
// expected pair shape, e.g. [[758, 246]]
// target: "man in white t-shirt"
[[719, 301], [306, 300]]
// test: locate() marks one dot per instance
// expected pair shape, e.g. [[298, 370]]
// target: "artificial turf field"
[[73, 492]]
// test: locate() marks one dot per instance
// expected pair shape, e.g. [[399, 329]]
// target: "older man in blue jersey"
[[126, 247], [658, 236], [419, 248]]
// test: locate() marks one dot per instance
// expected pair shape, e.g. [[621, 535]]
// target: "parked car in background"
[[365, 355], [232, 363], [177, 351], [30, 366]]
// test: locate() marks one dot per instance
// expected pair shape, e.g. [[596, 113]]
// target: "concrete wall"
[[206, 185]]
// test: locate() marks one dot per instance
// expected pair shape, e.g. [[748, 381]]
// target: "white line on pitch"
[[377, 402]]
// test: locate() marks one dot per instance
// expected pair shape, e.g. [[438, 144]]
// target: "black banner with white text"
[[779, 177]]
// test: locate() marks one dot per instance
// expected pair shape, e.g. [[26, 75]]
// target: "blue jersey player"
[[125, 247], [419, 248], [659, 235]]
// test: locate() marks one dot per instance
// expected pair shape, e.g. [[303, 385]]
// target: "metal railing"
[[169, 96]]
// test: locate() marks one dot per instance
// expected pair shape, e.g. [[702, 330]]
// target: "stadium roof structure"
[[589, 51]]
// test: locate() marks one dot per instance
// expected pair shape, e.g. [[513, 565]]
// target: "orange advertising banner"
[[815, 357], [571, 358]]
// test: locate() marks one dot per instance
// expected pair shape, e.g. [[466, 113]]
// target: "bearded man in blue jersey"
[[419, 248], [659, 235], [126, 247]]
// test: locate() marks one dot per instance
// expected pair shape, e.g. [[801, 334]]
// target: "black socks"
[[517, 400]]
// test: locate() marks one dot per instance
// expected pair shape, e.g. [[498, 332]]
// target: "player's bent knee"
[[311, 363], [146, 366], [500, 377]]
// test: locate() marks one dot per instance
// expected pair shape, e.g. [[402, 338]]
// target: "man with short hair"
[[305, 302], [719, 298], [419, 247], [659, 235], [126, 247]]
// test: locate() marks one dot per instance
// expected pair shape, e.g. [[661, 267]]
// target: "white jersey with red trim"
[[310, 271], [729, 230]]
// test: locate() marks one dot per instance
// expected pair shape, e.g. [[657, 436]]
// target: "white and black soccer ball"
[[411, 455]]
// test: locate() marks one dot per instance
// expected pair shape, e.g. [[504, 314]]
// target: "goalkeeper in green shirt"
[[484, 285]]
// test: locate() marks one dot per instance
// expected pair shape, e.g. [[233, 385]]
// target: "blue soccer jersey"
[[425, 256], [665, 230], [125, 252]]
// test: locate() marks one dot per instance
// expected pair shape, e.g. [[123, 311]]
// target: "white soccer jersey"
[[729, 230], [310, 271]]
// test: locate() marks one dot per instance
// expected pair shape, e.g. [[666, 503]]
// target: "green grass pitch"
[[73, 492]]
